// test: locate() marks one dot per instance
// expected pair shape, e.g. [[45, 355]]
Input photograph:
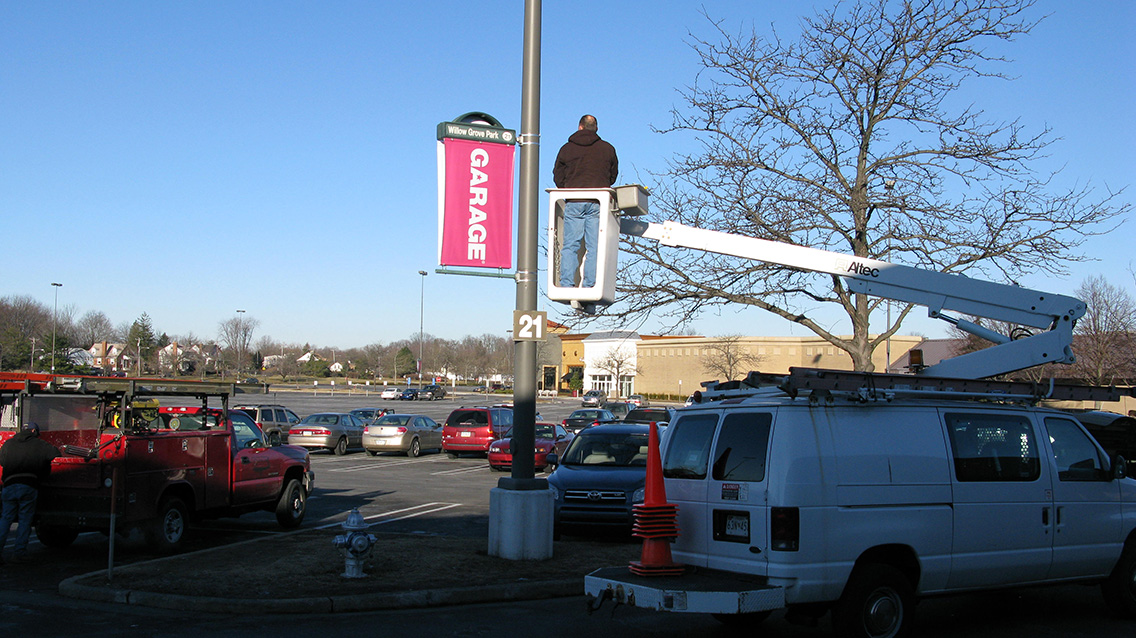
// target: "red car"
[[549, 438]]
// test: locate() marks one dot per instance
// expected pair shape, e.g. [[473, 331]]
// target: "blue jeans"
[[581, 222], [19, 502]]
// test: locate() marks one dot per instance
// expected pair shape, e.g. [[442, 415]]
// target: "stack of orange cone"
[[655, 519]]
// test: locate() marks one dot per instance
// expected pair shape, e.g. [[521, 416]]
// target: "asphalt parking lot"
[[434, 494]]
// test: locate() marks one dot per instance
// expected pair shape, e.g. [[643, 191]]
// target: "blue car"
[[599, 477]]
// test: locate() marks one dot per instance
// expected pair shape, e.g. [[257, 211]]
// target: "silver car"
[[407, 433], [332, 431]]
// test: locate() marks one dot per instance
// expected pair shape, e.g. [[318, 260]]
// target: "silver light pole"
[[54, 320], [421, 316], [240, 339]]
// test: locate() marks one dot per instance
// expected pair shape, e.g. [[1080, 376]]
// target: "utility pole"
[[521, 506]]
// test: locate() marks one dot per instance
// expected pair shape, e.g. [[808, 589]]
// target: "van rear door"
[[737, 515]]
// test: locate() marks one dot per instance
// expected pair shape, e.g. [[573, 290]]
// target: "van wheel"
[[1120, 588], [56, 536], [166, 532], [292, 505], [340, 447], [876, 603]]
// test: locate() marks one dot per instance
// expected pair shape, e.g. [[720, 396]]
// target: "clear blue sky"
[[191, 159]]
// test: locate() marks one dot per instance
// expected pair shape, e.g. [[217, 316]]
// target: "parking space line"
[[436, 507], [376, 465], [461, 470]]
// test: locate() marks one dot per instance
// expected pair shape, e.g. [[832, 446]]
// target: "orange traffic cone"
[[655, 519]]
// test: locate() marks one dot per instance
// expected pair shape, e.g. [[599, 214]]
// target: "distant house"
[[109, 356]]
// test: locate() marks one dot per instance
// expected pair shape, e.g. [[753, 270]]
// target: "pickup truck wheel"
[[876, 603], [1120, 588], [415, 448], [292, 505], [56, 536], [166, 532], [340, 447]]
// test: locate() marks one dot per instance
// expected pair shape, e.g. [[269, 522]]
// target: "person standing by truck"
[[585, 161], [26, 461]]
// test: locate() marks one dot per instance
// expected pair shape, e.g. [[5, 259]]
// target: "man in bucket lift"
[[585, 161]]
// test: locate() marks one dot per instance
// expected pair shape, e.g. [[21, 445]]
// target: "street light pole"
[[421, 318], [240, 339], [54, 319]]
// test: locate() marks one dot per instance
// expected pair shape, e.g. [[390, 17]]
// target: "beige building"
[[678, 365]]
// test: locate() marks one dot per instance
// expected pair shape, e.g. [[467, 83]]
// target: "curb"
[[527, 590]]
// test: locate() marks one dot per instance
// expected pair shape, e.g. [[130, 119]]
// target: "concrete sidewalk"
[[530, 590]]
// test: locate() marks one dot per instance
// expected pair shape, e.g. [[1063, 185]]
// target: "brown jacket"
[[585, 161]]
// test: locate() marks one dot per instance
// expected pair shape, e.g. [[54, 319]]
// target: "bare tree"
[[92, 328], [846, 140], [728, 358], [1103, 338], [235, 335], [618, 362]]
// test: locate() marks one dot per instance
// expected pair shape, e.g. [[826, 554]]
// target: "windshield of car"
[[586, 414], [468, 417], [543, 431], [608, 448], [648, 414], [321, 419], [393, 419]]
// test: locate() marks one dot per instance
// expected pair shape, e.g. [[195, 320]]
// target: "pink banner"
[[477, 227]]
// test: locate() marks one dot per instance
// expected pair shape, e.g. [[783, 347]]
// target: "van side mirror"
[[1119, 467]]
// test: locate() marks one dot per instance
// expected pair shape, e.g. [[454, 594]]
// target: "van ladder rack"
[[875, 386]]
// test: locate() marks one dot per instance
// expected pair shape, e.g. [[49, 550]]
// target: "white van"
[[858, 504]]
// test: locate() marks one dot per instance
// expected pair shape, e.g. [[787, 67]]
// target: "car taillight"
[[785, 528], [564, 422], [401, 430]]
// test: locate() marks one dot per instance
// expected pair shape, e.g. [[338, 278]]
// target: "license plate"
[[731, 526], [737, 525], [467, 434]]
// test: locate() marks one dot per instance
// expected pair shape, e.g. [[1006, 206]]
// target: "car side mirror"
[[552, 458], [1119, 467]]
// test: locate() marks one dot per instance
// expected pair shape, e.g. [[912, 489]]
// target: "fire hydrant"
[[356, 545]]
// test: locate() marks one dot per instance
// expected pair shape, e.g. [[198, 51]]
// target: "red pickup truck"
[[126, 463]]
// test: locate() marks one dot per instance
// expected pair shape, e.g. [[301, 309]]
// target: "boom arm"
[[937, 291]]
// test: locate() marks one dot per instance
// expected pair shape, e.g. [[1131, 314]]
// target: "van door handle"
[[1045, 516]]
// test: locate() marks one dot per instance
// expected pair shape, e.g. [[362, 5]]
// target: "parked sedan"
[[368, 415], [406, 433], [390, 392], [593, 398], [549, 438], [332, 431], [639, 400], [587, 417], [408, 394], [618, 408], [599, 477]]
